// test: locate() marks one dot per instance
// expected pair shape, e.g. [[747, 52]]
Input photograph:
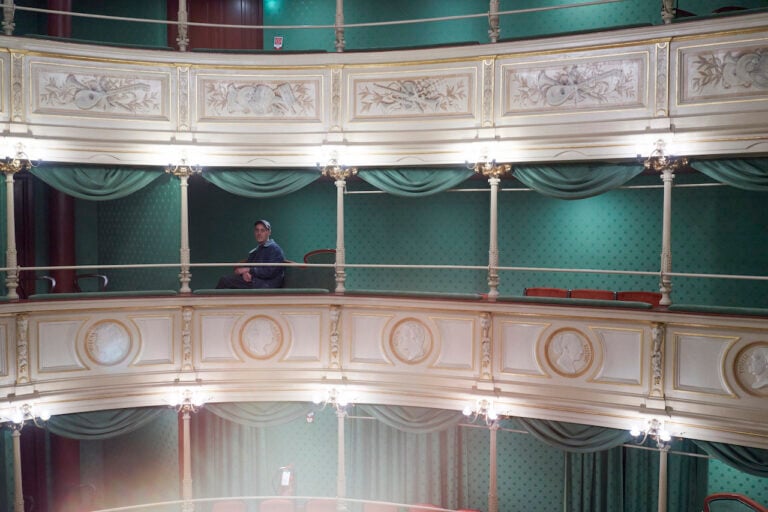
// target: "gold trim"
[[588, 353]]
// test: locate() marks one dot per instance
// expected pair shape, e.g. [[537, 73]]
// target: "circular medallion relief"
[[411, 341], [261, 337], [751, 368], [569, 352], [107, 343]]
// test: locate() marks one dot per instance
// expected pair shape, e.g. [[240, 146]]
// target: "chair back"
[[587, 293], [277, 505], [380, 507], [731, 502], [540, 291], [320, 505], [652, 298], [313, 277], [229, 506]]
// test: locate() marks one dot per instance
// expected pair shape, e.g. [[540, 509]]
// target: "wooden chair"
[[229, 506], [586, 293], [320, 505], [540, 291], [652, 298], [314, 277]]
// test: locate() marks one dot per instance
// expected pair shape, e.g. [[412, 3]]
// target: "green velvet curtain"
[[594, 481], [102, 424], [258, 414], [260, 183], [744, 173], [414, 182], [575, 181], [417, 420], [749, 460], [96, 183], [573, 437]]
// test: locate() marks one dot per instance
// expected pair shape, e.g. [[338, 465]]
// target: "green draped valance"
[[746, 173], [573, 437], [414, 182], [416, 420], [260, 414], [102, 424], [575, 181], [96, 183], [260, 183], [749, 460]]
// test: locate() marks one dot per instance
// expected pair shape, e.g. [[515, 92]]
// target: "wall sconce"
[[23, 413], [483, 408], [659, 160], [187, 400], [19, 162], [183, 169], [336, 398], [653, 428]]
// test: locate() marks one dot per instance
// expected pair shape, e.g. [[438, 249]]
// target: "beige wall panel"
[[458, 341], [157, 340], [216, 331], [517, 341], [699, 362], [57, 345], [622, 355], [306, 335], [364, 333], [5, 344]]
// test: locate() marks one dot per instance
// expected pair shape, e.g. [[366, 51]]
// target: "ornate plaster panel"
[[577, 84], [157, 340], [57, 347], [622, 355], [518, 347], [304, 330], [99, 91], [457, 343], [726, 72], [365, 332], [215, 333], [699, 362], [4, 345]]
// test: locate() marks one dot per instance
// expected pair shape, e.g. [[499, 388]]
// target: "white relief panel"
[[99, 92], [259, 97], [439, 93], [730, 72], [562, 85], [57, 346], [457, 343], [622, 356], [215, 338], [4, 345], [365, 333], [305, 337], [699, 363], [5, 81], [157, 340], [518, 342]]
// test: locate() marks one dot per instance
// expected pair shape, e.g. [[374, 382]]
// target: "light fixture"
[[482, 408], [187, 400], [183, 168], [653, 428], [336, 170], [659, 160], [25, 412], [19, 162], [489, 168], [339, 399]]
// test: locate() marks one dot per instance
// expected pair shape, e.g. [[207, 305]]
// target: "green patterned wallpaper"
[[724, 478]]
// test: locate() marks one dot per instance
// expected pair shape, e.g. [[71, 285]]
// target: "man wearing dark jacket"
[[259, 276]]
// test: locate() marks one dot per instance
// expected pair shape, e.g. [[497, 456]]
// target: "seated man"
[[266, 252]]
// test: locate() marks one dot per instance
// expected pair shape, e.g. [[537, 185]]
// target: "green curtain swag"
[[103, 424], [573, 437], [747, 173], [748, 460], [260, 414], [260, 183], [414, 182], [416, 420], [96, 183], [575, 181]]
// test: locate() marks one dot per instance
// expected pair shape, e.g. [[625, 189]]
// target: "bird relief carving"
[[261, 99], [573, 86], [99, 93]]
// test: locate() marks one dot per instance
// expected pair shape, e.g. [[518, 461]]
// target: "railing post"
[[8, 12], [493, 21], [12, 276], [182, 39], [339, 26], [18, 491], [340, 174], [493, 172], [186, 480], [183, 172], [662, 502]]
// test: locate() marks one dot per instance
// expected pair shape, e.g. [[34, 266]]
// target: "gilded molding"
[[658, 331], [336, 120], [485, 347], [488, 80], [186, 338], [17, 87], [22, 349], [335, 349], [183, 109], [662, 79]]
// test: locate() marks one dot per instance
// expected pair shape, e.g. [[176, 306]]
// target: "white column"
[[665, 284], [186, 481], [663, 479], [341, 274], [185, 276], [493, 245], [12, 276], [339, 26], [8, 13], [493, 21], [341, 473], [493, 496], [182, 39], [18, 492]]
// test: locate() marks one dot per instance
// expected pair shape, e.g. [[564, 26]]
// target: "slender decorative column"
[[493, 172], [183, 172], [341, 474], [493, 496], [12, 275], [186, 480], [18, 492], [340, 174], [662, 504], [182, 39], [339, 26], [660, 162], [8, 13], [493, 21], [667, 11]]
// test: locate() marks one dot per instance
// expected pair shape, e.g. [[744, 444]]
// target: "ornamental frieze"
[[728, 73], [226, 99]]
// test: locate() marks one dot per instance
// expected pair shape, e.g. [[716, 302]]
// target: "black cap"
[[263, 222]]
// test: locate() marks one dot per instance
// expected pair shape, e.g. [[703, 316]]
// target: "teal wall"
[[724, 478]]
